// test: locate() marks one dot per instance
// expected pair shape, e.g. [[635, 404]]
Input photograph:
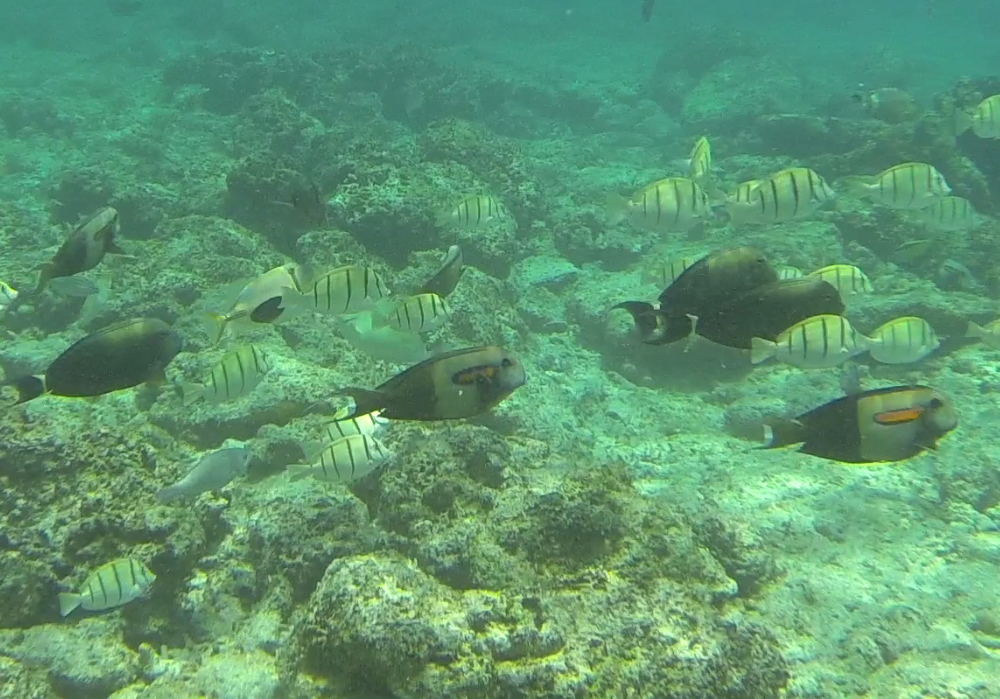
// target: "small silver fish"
[[212, 472], [112, 585]]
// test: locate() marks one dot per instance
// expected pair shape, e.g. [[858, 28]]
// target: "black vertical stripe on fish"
[[350, 456], [104, 592], [423, 317], [118, 583], [774, 195], [243, 373], [131, 570], [215, 385], [256, 360], [350, 291], [225, 378], [659, 205], [913, 183], [795, 192]]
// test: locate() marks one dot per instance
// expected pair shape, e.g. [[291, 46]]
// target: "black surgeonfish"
[[84, 247], [699, 290], [451, 386], [884, 424], [730, 297], [119, 356]]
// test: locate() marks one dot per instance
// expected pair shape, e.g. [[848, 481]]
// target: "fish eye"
[[506, 363], [935, 403]]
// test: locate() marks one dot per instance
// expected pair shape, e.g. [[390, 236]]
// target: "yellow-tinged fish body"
[[474, 211], [700, 167], [674, 204], [789, 272], [819, 342], [984, 120], [903, 341], [989, 333], [848, 280], [111, 585], [8, 295], [904, 186], [346, 290], [417, 314], [236, 375], [369, 424], [664, 274], [787, 195], [949, 214], [343, 460], [266, 299]]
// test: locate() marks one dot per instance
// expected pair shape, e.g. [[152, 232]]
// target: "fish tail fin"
[[191, 392], [761, 350], [963, 121], [114, 249], [297, 472], [642, 316], [365, 400], [28, 388], [616, 208], [217, 325], [68, 601], [858, 185], [44, 276], [781, 433], [975, 330]]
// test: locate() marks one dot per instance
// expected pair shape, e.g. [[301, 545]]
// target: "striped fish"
[[474, 211], [417, 314], [664, 274], [984, 120], [236, 375], [786, 195], [848, 280], [700, 165], [342, 461], [369, 424], [989, 333], [903, 341], [111, 585], [789, 272], [949, 214], [345, 290], [905, 186], [819, 342], [671, 205]]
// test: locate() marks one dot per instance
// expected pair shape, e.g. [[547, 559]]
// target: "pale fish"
[[236, 375], [903, 341], [473, 211], [787, 195], [417, 314], [342, 461], [848, 280], [819, 342], [674, 204], [111, 585], [345, 290], [904, 186]]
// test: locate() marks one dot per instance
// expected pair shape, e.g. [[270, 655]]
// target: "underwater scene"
[[591, 349]]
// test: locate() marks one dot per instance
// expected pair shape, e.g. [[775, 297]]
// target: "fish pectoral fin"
[[158, 377]]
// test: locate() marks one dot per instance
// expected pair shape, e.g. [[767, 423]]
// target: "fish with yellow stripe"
[[848, 280], [984, 119], [416, 314], [474, 211], [903, 341], [237, 374], [881, 425], [820, 342], [110, 586], [341, 461], [344, 290], [787, 195], [671, 205], [903, 186]]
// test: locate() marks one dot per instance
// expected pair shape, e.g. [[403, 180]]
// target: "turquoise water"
[[607, 529]]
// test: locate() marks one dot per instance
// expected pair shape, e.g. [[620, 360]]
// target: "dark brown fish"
[[885, 424], [647, 9], [119, 356], [451, 386], [84, 248], [445, 279]]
